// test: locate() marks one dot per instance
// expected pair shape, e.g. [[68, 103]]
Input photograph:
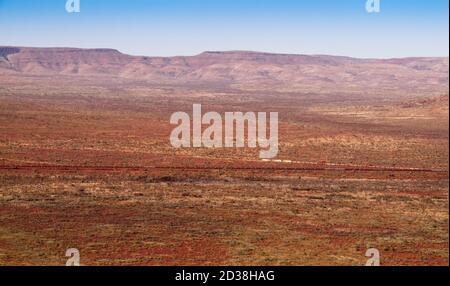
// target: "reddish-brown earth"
[[86, 162]]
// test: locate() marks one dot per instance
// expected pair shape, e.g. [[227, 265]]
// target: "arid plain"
[[86, 162]]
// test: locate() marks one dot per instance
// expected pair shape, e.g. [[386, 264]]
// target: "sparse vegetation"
[[86, 162]]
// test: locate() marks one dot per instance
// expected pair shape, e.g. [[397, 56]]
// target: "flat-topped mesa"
[[5, 51], [242, 69], [70, 52], [265, 57], [64, 60]]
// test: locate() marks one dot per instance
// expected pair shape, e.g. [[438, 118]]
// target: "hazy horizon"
[[403, 28], [218, 51]]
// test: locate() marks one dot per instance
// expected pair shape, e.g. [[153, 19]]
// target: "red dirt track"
[[285, 169]]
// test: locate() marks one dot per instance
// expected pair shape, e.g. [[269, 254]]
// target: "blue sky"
[[187, 27]]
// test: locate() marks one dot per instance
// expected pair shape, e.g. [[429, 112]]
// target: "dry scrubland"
[[86, 162]]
